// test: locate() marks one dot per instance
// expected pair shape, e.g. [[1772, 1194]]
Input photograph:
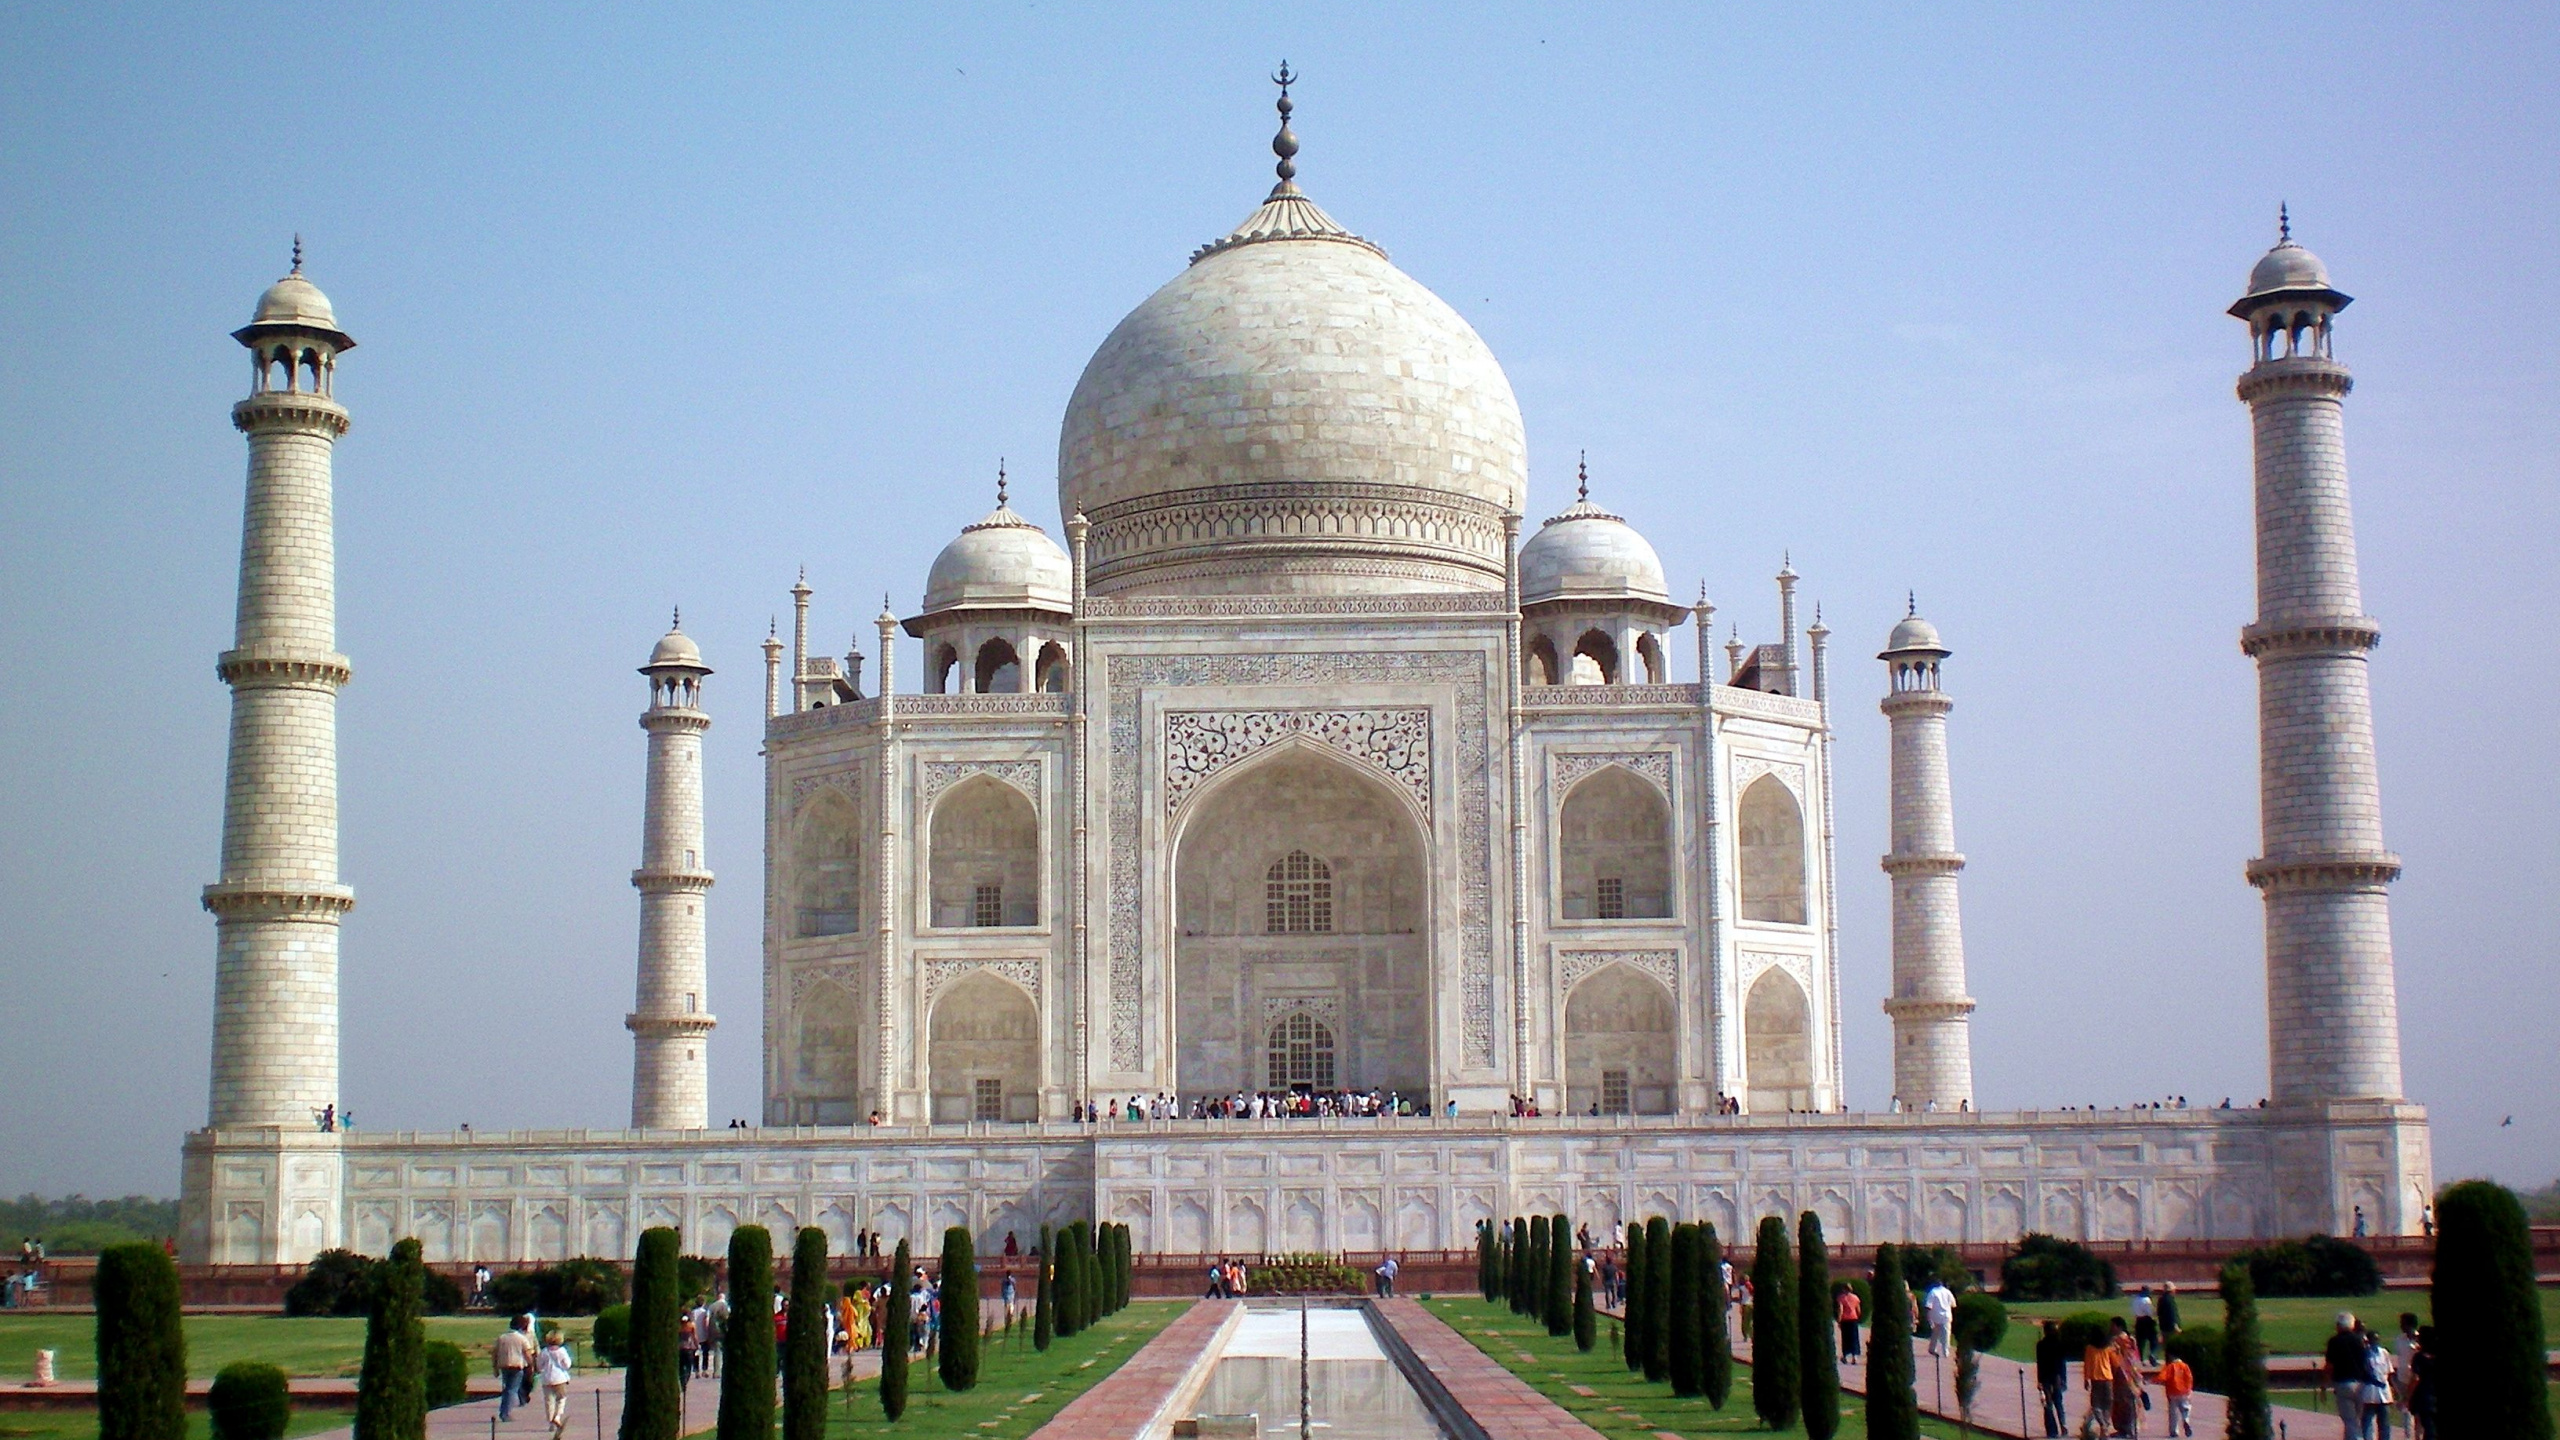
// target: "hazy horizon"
[[654, 310]]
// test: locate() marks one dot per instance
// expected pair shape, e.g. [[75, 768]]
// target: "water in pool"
[[1354, 1392]]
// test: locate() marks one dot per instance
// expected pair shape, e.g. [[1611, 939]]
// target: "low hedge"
[[581, 1286], [612, 1338], [1301, 1275], [250, 1401], [2047, 1267], [2318, 1265]]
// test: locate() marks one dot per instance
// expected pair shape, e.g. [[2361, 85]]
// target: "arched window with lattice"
[[1301, 1052], [1298, 896]]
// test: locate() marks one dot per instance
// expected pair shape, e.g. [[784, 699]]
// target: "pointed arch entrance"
[[1302, 934]]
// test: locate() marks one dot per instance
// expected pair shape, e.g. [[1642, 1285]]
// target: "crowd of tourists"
[[1248, 1105]]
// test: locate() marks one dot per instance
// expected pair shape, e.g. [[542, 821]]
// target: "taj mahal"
[[1308, 763]]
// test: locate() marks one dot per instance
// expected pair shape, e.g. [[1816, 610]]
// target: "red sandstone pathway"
[[1500, 1401], [1128, 1399]]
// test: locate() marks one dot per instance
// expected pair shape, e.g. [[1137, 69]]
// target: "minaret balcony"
[[2344, 870], [290, 410]]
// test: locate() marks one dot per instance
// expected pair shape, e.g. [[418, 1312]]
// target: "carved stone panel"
[[1200, 743], [1466, 671]]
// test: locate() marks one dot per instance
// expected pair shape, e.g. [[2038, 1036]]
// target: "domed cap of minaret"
[[1586, 553], [1003, 562], [676, 651], [1914, 636], [294, 305], [2287, 272]]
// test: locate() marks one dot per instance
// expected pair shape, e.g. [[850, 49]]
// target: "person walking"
[[2342, 1362], [555, 1366], [510, 1358], [1941, 1309], [2127, 1410], [2378, 1393], [2178, 1387], [2146, 1326], [2422, 1385], [2098, 1380], [2053, 1378], [1848, 1312]]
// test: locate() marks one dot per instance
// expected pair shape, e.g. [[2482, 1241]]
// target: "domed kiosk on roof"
[[1593, 602], [996, 607], [1292, 414]]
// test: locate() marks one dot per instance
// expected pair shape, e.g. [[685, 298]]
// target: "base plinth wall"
[[1244, 1188]]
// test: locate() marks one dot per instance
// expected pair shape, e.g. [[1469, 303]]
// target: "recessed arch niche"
[[1620, 1052], [1616, 852], [1777, 1044], [1242, 963], [985, 863], [983, 1051]]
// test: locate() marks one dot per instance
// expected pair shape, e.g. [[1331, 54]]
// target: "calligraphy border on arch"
[[1467, 671]]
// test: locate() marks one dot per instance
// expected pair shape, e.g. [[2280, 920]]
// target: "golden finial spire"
[[1285, 144]]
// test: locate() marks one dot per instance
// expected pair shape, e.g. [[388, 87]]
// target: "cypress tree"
[[1776, 1378], [1044, 1268], [1561, 1266], [1817, 1339], [142, 1351], [2244, 1358], [895, 1340], [1586, 1321], [1638, 1300], [1488, 1269], [1088, 1277], [1533, 1299], [1657, 1299], [1065, 1278], [1688, 1355], [1893, 1407], [1121, 1261], [1516, 1292], [2488, 1317], [1712, 1304], [652, 1385], [391, 1390], [804, 1344], [1108, 1236], [959, 1310], [746, 1342]]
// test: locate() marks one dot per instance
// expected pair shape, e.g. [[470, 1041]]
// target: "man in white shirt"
[[706, 1341], [1940, 1308]]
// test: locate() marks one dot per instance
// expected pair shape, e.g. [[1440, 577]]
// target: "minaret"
[[1787, 624], [772, 672], [2333, 1025], [276, 907], [670, 1025], [800, 593], [1932, 1028]]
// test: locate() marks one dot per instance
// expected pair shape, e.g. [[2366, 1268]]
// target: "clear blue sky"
[[656, 308]]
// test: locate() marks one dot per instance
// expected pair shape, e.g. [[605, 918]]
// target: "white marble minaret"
[[670, 1024], [1932, 1014], [276, 906], [2333, 1017]]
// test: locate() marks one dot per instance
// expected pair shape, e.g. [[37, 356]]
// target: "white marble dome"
[[1292, 414], [1003, 562], [1586, 553]]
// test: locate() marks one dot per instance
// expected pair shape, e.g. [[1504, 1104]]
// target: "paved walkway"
[[1130, 1398], [1501, 1402], [2006, 1402]]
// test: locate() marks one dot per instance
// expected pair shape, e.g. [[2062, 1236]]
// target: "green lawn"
[[300, 1347], [1019, 1389], [83, 1424], [2290, 1327], [1621, 1404]]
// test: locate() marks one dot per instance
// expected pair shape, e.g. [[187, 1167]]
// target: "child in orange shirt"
[[2178, 1382]]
